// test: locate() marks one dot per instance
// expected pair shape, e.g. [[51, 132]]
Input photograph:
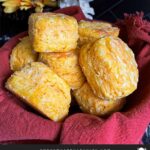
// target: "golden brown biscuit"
[[22, 54], [89, 103], [110, 68], [89, 31], [41, 88], [66, 65], [51, 32]]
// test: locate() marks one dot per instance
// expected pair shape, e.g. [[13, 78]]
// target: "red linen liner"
[[18, 124]]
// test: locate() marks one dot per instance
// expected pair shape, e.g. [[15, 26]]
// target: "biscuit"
[[41, 88], [66, 65], [110, 68], [51, 32], [89, 31], [22, 54], [89, 103]]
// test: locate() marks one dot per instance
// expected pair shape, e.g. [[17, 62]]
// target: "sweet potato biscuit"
[[90, 31], [89, 103], [22, 54], [51, 32], [66, 65], [41, 88], [110, 68]]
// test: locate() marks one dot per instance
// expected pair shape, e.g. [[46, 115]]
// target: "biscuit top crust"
[[89, 103], [22, 54], [98, 28], [50, 16], [51, 32], [94, 24], [110, 67], [66, 65], [43, 89], [90, 31]]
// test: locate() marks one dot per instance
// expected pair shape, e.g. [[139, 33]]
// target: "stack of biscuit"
[[61, 55], [109, 67]]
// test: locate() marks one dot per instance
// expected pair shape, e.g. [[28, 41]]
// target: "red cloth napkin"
[[128, 126], [20, 124]]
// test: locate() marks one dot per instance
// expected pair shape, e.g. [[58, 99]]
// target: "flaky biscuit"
[[89, 103], [51, 32], [110, 68], [22, 54], [41, 88], [89, 31], [66, 65]]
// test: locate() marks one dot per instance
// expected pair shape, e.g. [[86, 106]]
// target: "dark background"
[[108, 10]]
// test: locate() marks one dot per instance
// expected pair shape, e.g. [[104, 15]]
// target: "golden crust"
[[51, 32], [66, 65], [89, 103], [22, 54], [89, 31], [110, 68], [40, 87]]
